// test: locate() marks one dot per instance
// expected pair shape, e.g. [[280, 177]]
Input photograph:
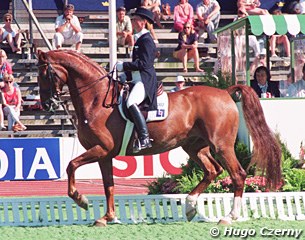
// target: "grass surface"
[[175, 231]]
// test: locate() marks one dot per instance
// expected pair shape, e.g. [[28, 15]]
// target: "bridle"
[[54, 101]]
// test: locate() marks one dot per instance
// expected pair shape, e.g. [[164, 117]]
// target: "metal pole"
[[233, 59], [247, 54], [112, 34], [292, 59], [30, 51], [34, 19]]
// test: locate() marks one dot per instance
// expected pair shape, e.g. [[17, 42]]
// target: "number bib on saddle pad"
[[162, 112]]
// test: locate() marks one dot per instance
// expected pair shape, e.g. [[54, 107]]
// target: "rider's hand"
[[119, 66], [122, 77]]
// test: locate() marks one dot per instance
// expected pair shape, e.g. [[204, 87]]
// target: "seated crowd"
[[10, 96]]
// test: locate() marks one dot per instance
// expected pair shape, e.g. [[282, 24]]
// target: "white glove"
[[119, 66], [122, 77]]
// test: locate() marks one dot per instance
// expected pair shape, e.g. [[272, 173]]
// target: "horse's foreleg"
[[238, 176], [107, 173], [211, 170], [90, 156]]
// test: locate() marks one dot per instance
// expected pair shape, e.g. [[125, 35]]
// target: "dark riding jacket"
[[143, 57], [273, 88]]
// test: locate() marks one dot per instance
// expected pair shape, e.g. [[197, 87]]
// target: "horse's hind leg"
[[238, 176], [92, 155], [211, 170]]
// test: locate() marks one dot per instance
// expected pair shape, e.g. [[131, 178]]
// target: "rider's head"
[[140, 17]]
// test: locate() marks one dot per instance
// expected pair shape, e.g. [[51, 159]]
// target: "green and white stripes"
[[277, 24]]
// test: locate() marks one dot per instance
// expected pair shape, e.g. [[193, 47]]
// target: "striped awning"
[[277, 24]]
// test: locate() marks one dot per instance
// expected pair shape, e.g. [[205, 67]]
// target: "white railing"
[[149, 208]]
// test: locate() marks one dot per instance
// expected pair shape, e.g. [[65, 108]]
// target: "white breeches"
[[12, 116], [137, 94]]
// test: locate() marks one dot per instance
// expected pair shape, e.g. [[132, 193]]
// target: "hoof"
[[191, 214], [80, 200], [190, 208], [84, 203], [100, 223], [225, 221]]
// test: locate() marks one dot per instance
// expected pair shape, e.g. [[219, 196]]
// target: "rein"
[[55, 97], [115, 99]]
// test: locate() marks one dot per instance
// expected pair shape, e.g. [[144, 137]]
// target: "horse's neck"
[[89, 96]]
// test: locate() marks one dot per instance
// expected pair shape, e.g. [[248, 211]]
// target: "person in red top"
[[11, 102], [183, 13], [5, 66]]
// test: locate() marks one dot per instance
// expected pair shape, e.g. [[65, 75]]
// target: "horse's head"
[[82, 75], [51, 79]]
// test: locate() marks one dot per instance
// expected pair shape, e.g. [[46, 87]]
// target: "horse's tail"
[[266, 150]]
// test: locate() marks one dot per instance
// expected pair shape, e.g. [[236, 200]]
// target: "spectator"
[[297, 89], [279, 39], [295, 8], [187, 47], [2, 127], [208, 13], [154, 6], [250, 7], [5, 67], [179, 84], [240, 41], [7, 33], [299, 44], [183, 13], [149, 25], [12, 102], [124, 28], [166, 12], [302, 4], [263, 85], [284, 85], [68, 29]]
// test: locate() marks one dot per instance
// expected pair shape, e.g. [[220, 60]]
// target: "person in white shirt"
[[208, 13], [9, 34], [68, 29], [297, 89], [124, 28]]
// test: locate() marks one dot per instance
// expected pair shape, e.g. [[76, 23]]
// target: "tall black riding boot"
[[140, 123]]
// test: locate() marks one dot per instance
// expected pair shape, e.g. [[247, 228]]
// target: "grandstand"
[[95, 46]]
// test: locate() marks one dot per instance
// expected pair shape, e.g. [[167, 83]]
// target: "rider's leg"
[[137, 95], [140, 123]]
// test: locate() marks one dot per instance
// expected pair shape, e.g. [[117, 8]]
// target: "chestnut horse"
[[201, 120]]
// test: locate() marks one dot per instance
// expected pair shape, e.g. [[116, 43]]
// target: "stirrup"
[[139, 145]]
